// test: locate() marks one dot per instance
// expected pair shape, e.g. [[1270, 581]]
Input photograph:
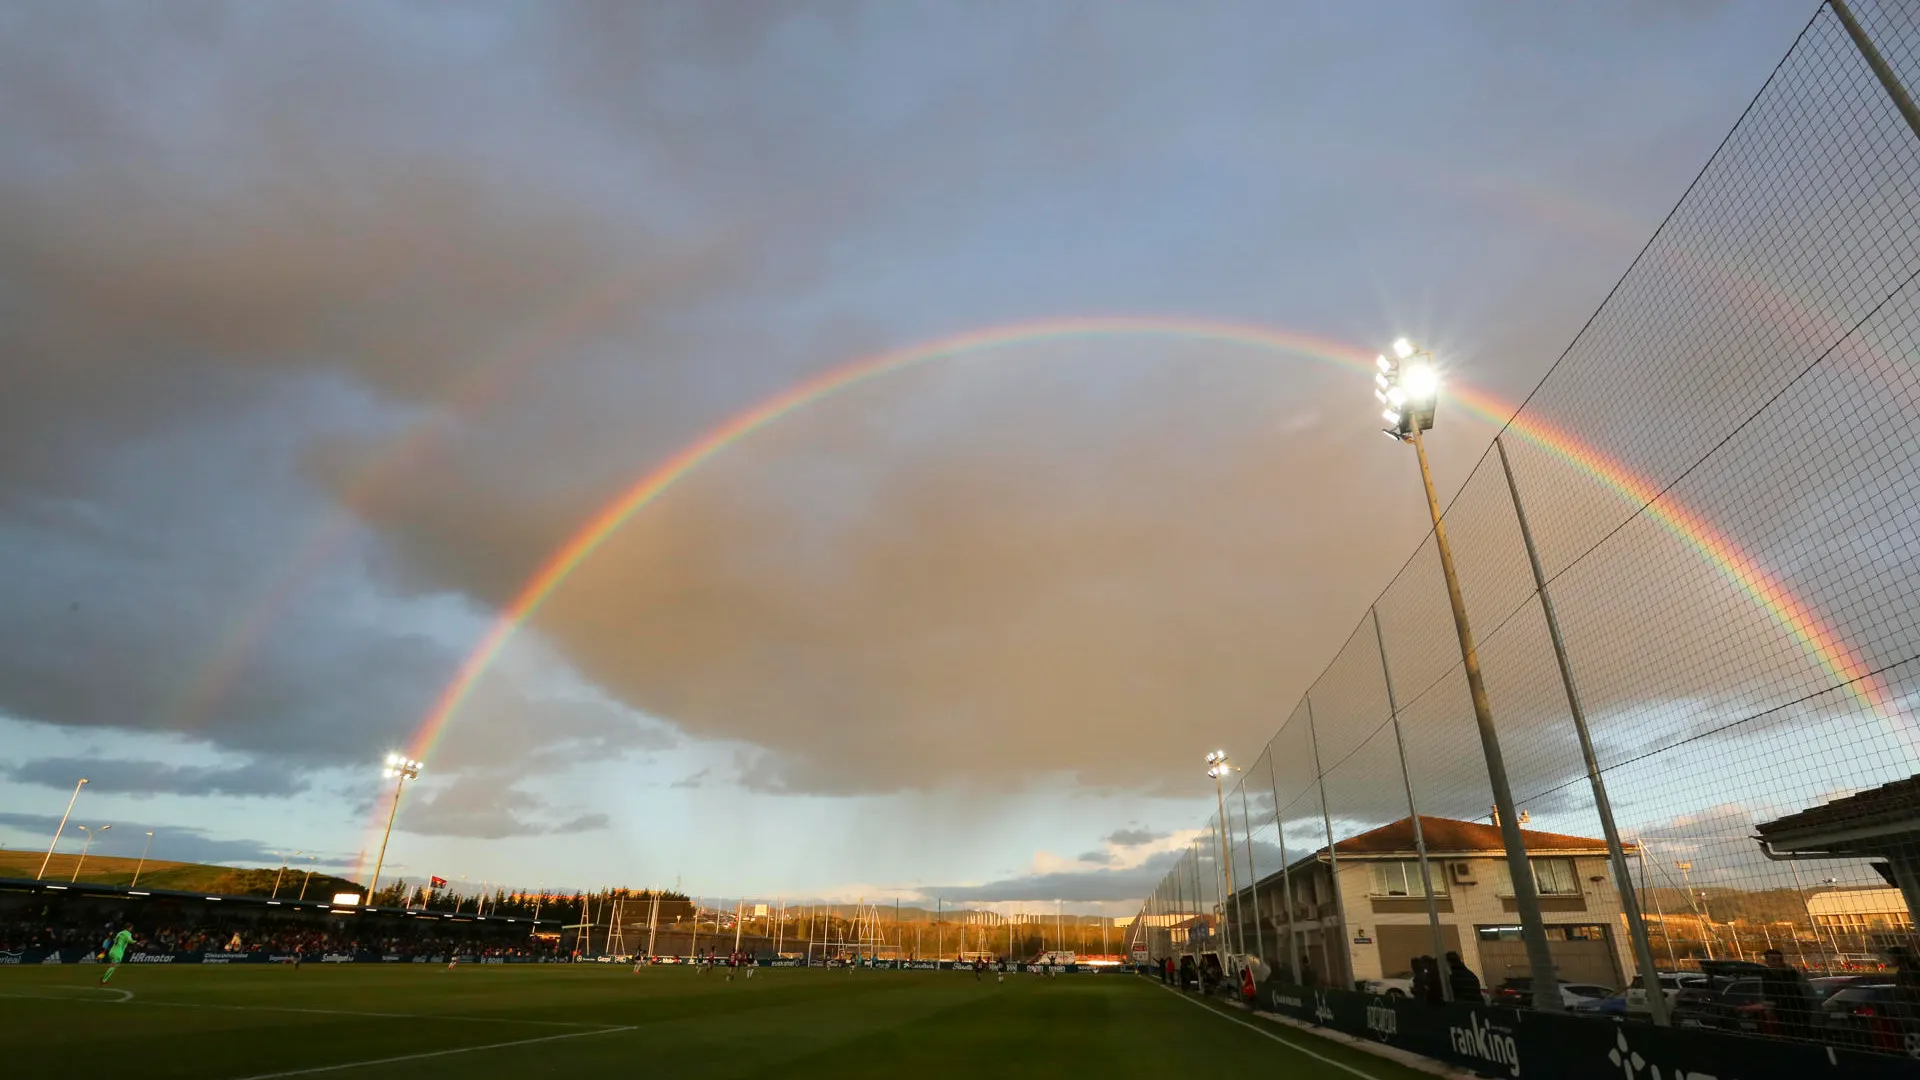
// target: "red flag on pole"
[[438, 882]]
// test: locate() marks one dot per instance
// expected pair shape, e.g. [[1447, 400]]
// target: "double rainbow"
[[1806, 627]]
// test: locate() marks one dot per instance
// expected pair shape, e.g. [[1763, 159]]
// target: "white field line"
[[128, 999], [125, 995], [431, 1054], [1271, 1034]]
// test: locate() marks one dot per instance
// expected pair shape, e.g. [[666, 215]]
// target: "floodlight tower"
[[92, 835], [1408, 385], [60, 829], [399, 770], [1218, 767]]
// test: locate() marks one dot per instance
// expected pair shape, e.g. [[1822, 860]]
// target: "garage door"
[[1579, 960], [1398, 946]]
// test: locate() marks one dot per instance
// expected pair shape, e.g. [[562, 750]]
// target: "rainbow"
[[1806, 627]]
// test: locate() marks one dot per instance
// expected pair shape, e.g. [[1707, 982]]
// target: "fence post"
[[1888, 80], [1616, 853], [1413, 815], [1253, 880], [1333, 857], [1286, 869]]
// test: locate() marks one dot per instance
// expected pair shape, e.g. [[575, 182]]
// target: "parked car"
[[1734, 1005], [1397, 986], [1671, 983], [1828, 985], [1866, 1016], [1517, 992], [1614, 1005]]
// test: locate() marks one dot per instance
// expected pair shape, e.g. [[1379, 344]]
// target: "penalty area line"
[[1274, 1035], [425, 1054]]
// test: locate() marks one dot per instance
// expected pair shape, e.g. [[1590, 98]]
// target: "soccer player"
[[117, 951]]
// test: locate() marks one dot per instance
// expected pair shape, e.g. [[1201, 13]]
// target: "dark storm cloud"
[[142, 779], [1073, 886], [172, 843], [573, 238]]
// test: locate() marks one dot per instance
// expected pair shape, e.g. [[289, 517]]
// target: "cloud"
[[1074, 886], [144, 779], [489, 805], [1132, 837], [175, 843], [583, 823]]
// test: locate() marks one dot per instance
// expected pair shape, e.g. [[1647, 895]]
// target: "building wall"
[[1468, 907]]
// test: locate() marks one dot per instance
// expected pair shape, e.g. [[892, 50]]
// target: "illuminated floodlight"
[[1420, 381], [1409, 387], [346, 899]]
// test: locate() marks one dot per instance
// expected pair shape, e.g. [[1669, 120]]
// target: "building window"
[[1555, 877], [1403, 878]]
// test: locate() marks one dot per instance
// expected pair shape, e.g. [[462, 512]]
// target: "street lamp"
[[1218, 767], [399, 770], [91, 834], [144, 848], [61, 829], [1408, 387]]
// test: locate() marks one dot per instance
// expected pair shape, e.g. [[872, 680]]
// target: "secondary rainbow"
[[1806, 627]]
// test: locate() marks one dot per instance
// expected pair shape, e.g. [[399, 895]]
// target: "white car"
[[1671, 983], [1397, 986]]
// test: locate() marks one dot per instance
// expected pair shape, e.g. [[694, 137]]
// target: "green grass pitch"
[[363, 1022]]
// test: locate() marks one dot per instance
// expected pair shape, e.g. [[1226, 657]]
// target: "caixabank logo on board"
[[1382, 1021], [1484, 1042], [1634, 1067]]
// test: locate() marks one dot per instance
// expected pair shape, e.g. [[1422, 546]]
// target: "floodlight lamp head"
[[1402, 348], [1420, 381]]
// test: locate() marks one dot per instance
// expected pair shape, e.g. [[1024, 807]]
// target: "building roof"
[[1448, 836], [1857, 902], [1888, 808]]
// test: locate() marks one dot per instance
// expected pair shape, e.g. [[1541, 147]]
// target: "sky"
[[323, 327]]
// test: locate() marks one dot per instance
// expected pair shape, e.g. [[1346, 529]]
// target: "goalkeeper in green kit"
[[117, 950]]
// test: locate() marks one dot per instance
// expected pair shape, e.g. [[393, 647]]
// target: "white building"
[[1371, 919], [1860, 911]]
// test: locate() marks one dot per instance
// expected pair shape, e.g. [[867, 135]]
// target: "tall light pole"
[[308, 880], [1409, 386], [61, 829], [275, 895], [1218, 767], [141, 865], [1706, 921], [91, 834], [399, 770]]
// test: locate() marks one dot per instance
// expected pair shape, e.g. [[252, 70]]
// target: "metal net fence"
[[1710, 506]]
